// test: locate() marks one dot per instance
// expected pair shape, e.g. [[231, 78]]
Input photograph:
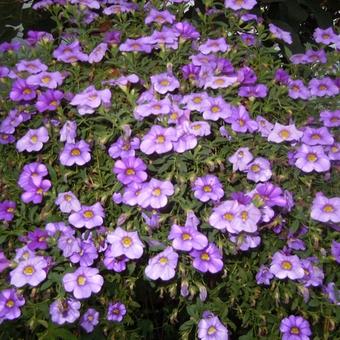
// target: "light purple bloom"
[[259, 170], [50, 80], [10, 303], [330, 118], [130, 169], [240, 120], [279, 33], [66, 310], [34, 193], [284, 266], [264, 276], [240, 159], [31, 66], [89, 320], [7, 209], [314, 136], [239, 5], [324, 36], [88, 216], [83, 282], [208, 188], [32, 174], [163, 265], [210, 327], [208, 259], [323, 87], [295, 328], [224, 216], [37, 239], [116, 312], [98, 53], [124, 147], [312, 158], [49, 100], [22, 91], [297, 89], [213, 46], [75, 153], [68, 132], [253, 91], [33, 140], [325, 209], [164, 82], [68, 202], [86, 255], [284, 133]]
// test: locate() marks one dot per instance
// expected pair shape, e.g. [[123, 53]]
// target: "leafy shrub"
[[165, 177]]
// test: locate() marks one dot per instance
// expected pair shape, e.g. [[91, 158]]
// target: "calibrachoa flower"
[[208, 188], [312, 158], [68, 132], [7, 209], [116, 312], [31, 271], [67, 202], [32, 174], [324, 36], [264, 276], [295, 328], [162, 266], [4, 262], [49, 100], [37, 239], [155, 194], [89, 320], [279, 33], [164, 82], [33, 140], [325, 209], [66, 310], [83, 282], [88, 216], [50, 80], [86, 255], [284, 133], [224, 216], [125, 243], [284, 266], [208, 259], [75, 153], [21, 90], [240, 159], [239, 4], [259, 170], [130, 169], [211, 328], [10, 303], [319, 136]]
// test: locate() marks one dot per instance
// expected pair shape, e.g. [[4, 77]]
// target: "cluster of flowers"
[[181, 119]]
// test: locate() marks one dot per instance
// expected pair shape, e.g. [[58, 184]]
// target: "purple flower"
[[312, 158], [4, 262], [281, 76], [240, 159], [83, 282], [49, 100], [208, 188], [313, 275], [224, 216], [88, 216], [246, 219], [125, 243], [116, 312], [75, 153], [159, 17], [50, 80], [240, 120], [67, 202], [112, 37], [325, 209], [283, 266], [33, 140], [164, 82], [214, 46], [32, 174], [37, 239], [158, 140], [335, 250], [239, 4], [124, 147], [324, 36], [22, 91], [295, 328], [69, 244], [269, 194], [321, 136], [66, 310], [264, 276], [216, 108], [162, 266], [34, 193], [332, 292], [187, 238], [68, 132], [31, 66], [297, 89], [323, 87], [154, 194], [208, 259], [210, 327], [86, 255], [89, 320], [117, 264], [279, 33], [97, 53], [69, 53], [10, 303], [253, 91], [186, 31], [7, 209], [330, 118], [259, 170], [35, 37], [129, 170], [136, 45], [31, 271], [284, 133]]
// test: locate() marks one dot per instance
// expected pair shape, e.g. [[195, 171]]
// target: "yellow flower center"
[[296, 88], [228, 216], [328, 208], [315, 136], [212, 329], [219, 81], [81, 280], [205, 257], [67, 197], [286, 265], [88, 214], [207, 188], [9, 303], [34, 139], [244, 216], [325, 36], [334, 149], [312, 157], [239, 2], [255, 168], [322, 87], [29, 270], [156, 192], [90, 318], [295, 330], [40, 191], [46, 79], [241, 122], [53, 103], [126, 146], [215, 109], [165, 82], [284, 134], [197, 100], [10, 210], [163, 260], [126, 241], [186, 237], [174, 115], [27, 91], [130, 172], [160, 139], [75, 152]]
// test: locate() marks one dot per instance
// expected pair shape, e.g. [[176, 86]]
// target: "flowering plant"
[[163, 176]]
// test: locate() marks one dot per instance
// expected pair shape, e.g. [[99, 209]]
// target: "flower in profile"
[[50, 80], [75, 153], [130, 169], [49, 100], [83, 282], [159, 17], [332, 293], [335, 250], [208, 259], [187, 238], [158, 139], [259, 170], [317, 136], [97, 53], [36, 37], [279, 33], [214, 46], [89, 320], [211, 328], [240, 159], [33, 140], [264, 276], [284, 133], [125, 243], [253, 91], [31, 66], [325, 209], [330, 118], [89, 216], [22, 91], [64, 310], [68, 132], [69, 52], [136, 45], [284, 266], [324, 36], [155, 194], [295, 328], [117, 264], [312, 158], [323, 87], [67, 202], [313, 274], [116, 312], [10, 303], [7, 209], [163, 265], [208, 188], [164, 82], [31, 271], [297, 89]]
